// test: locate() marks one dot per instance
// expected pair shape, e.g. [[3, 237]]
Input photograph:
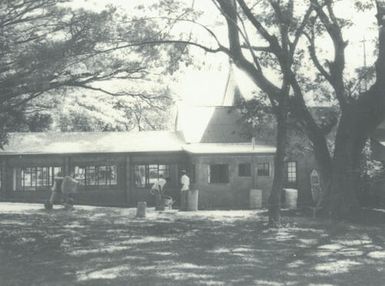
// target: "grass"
[[109, 246]]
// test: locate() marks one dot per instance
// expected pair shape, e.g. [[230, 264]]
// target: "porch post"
[[4, 177], [127, 176], [67, 167], [253, 172]]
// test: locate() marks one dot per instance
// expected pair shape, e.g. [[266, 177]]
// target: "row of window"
[[97, 175], [144, 174], [38, 176], [32, 178], [219, 173]]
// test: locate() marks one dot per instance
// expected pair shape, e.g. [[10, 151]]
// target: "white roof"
[[119, 142], [92, 142], [228, 148]]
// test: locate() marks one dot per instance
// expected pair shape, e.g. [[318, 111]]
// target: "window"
[[97, 175], [218, 173], [244, 170], [148, 174], [263, 169], [292, 172], [33, 178]]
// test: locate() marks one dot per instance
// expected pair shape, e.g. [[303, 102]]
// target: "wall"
[[305, 165], [235, 193]]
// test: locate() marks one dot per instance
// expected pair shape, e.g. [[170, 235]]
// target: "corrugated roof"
[[228, 148], [92, 142]]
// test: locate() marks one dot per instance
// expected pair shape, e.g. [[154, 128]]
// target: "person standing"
[[157, 190], [185, 182], [56, 192]]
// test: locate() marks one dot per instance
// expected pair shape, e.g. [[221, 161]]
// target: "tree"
[[49, 47], [98, 112], [360, 113], [268, 37]]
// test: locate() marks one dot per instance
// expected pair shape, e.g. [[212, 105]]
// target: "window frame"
[[262, 171], [41, 178], [244, 172], [226, 176], [159, 168], [91, 175], [290, 170]]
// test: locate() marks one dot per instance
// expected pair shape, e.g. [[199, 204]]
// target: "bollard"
[[192, 200], [141, 209], [255, 199], [291, 197]]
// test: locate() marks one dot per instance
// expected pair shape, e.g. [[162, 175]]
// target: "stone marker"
[[141, 209], [255, 199]]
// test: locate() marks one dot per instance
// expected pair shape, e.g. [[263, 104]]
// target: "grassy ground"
[[109, 246]]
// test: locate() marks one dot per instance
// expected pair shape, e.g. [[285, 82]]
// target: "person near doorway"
[[56, 191], [157, 189], [185, 182]]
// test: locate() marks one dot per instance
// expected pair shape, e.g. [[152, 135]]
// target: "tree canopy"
[[50, 48]]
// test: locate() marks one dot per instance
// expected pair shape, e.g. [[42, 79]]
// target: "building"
[[222, 156], [118, 168]]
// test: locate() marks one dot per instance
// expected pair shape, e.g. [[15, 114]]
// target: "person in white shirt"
[[159, 185], [185, 182]]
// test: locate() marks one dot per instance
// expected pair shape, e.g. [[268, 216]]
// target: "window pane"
[[244, 170], [102, 174], [219, 173], [263, 169], [153, 173], [91, 176], [292, 172], [80, 174], [140, 176], [164, 171], [27, 177], [33, 178], [42, 176], [113, 175]]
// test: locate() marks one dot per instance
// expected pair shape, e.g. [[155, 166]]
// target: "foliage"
[[371, 170], [50, 47]]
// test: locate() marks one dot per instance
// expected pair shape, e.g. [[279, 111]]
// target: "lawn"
[[109, 246]]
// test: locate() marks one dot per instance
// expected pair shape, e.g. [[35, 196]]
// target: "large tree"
[[280, 45], [51, 47], [360, 113]]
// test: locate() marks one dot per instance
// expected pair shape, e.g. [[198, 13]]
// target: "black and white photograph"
[[192, 142]]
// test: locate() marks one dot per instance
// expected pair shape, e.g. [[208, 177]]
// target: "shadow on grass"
[[106, 247]]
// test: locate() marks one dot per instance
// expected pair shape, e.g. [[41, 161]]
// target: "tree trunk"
[[350, 140], [320, 146], [279, 168]]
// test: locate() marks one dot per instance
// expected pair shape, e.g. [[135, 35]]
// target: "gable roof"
[[212, 124], [92, 142]]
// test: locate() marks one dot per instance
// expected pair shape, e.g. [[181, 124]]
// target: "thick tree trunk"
[[320, 146], [352, 133], [279, 168]]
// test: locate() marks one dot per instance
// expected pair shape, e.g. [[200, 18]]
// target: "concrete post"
[[141, 209]]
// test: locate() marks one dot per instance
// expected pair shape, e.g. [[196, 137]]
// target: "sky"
[[205, 85]]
